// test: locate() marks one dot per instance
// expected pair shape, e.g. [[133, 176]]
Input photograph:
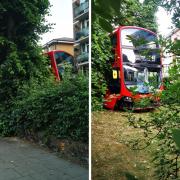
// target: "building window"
[[87, 23], [82, 1], [83, 47], [83, 25], [88, 48]]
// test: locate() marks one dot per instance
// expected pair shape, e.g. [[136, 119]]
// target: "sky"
[[61, 14], [164, 22]]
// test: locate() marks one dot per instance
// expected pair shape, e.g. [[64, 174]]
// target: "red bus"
[[134, 66], [58, 59]]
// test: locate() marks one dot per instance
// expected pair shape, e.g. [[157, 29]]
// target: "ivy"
[[101, 66]]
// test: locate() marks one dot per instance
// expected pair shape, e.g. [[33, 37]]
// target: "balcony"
[[83, 57], [84, 7], [77, 2], [83, 33]]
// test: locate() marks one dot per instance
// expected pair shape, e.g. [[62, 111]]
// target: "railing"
[[83, 57], [81, 9], [83, 33]]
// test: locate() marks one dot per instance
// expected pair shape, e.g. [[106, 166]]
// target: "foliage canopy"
[[21, 22]]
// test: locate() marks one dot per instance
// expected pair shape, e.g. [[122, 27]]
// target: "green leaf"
[[176, 137], [116, 5], [102, 11], [105, 25]]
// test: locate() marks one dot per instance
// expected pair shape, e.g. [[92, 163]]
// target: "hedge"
[[58, 109]]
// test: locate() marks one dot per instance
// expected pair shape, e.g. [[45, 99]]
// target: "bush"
[[162, 127], [58, 109], [101, 65]]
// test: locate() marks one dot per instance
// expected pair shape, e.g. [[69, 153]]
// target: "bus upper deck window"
[[138, 38]]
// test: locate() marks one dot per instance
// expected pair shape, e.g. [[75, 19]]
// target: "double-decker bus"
[[136, 63], [58, 59]]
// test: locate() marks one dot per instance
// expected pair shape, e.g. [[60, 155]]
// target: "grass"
[[112, 158]]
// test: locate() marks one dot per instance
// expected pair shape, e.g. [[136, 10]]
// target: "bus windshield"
[[139, 46], [142, 79], [141, 60], [62, 58]]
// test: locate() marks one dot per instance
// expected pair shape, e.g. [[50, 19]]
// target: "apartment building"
[[169, 57], [81, 33], [63, 44]]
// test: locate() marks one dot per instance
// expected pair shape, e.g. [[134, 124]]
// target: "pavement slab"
[[22, 160]]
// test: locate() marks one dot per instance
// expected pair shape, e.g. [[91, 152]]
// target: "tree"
[[21, 23], [109, 14], [21, 20], [173, 7]]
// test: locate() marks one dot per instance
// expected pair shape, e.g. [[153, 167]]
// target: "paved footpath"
[[21, 160]]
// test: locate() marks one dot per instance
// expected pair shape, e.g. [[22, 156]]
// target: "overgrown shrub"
[[159, 128], [21, 23], [59, 109], [101, 66]]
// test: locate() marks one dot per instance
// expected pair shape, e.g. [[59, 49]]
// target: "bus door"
[[114, 79]]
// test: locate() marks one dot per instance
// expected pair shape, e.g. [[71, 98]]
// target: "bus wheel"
[[124, 105], [119, 105]]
